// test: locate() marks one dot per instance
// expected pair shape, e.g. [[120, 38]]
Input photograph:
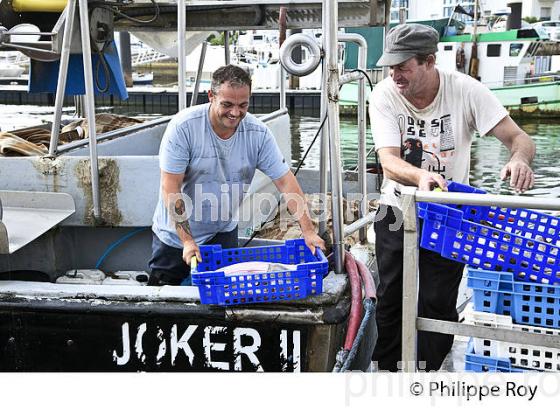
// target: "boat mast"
[[90, 107], [473, 65], [181, 53]]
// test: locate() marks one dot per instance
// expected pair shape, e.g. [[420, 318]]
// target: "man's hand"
[[312, 240], [522, 149], [430, 180], [520, 174], [190, 249]]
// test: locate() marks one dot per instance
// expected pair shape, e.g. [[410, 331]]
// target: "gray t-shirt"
[[438, 137], [217, 172]]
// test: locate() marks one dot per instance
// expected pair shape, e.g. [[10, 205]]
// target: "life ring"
[[307, 67]]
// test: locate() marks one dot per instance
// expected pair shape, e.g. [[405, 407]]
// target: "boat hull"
[[81, 334], [539, 100]]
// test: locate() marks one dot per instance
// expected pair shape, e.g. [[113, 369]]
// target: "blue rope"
[[115, 244]]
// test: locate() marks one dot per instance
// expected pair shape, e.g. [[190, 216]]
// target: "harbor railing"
[[411, 323]]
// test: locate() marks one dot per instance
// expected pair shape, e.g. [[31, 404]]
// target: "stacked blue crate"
[[482, 364], [513, 256]]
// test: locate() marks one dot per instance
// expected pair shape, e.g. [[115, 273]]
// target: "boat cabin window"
[[515, 49], [493, 50]]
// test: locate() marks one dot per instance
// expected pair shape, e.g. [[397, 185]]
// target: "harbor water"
[[488, 155]]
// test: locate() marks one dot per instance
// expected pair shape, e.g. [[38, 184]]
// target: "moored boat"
[[80, 214]]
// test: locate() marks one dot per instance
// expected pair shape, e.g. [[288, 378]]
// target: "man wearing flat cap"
[[423, 119]]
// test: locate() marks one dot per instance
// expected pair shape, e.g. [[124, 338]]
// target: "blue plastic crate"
[[516, 240], [527, 303], [434, 219], [443, 211], [217, 288], [484, 247], [519, 221], [453, 186], [457, 187], [482, 364]]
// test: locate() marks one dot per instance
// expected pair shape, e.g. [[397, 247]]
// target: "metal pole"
[[362, 154], [331, 8], [362, 159], [387, 28], [194, 98], [90, 106], [475, 19], [181, 57], [126, 57], [282, 23], [483, 332], [282, 80], [79, 106], [402, 15], [505, 201], [356, 225], [62, 73], [324, 157], [226, 47], [410, 281]]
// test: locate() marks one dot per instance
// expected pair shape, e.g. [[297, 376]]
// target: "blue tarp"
[[43, 76]]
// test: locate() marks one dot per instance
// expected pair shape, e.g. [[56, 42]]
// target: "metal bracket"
[[263, 15], [28, 215]]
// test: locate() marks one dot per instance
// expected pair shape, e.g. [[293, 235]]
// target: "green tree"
[[530, 19], [219, 39]]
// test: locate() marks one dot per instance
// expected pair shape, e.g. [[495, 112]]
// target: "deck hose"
[[115, 244], [358, 274], [356, 297]]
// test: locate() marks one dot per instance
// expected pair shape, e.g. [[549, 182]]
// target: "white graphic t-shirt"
[[436, 138]]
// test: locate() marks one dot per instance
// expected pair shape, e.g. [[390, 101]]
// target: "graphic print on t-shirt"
[[428, 144], [446, 137], [412, 152]]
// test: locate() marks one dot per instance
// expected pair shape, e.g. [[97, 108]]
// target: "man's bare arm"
[[175, 204], [522, 149], [404, 173]]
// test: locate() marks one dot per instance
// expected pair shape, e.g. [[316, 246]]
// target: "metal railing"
[[513, 82], [148, 56], [411, 323]]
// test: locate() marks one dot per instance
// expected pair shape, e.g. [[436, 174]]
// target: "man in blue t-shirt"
[[208, 156]]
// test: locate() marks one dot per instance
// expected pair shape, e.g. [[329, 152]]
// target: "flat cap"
[[406, 41]]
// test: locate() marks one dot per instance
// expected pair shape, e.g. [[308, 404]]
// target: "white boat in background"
[[10, 70], [517, 65], [257, 47], [520, 66], [142, 78], [12, 64]]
